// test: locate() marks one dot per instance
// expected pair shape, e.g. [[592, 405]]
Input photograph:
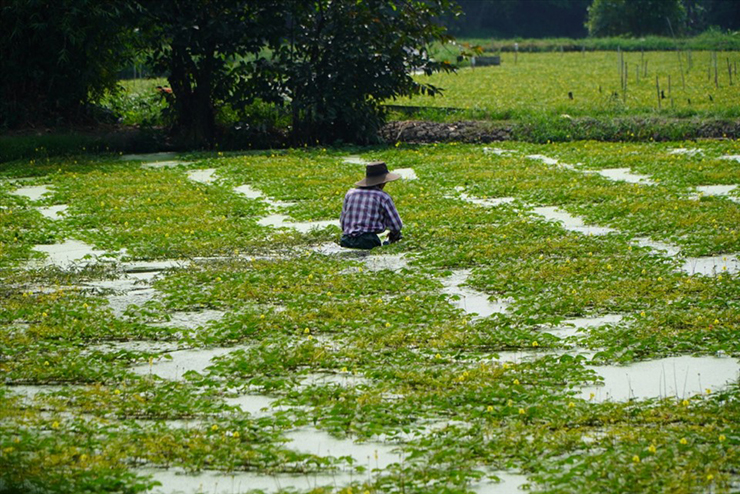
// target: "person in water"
[[369, 210]]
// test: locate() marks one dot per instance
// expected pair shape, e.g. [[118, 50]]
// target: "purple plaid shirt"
[[369, 210]]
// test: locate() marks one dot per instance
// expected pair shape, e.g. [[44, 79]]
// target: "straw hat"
[[375, 174]]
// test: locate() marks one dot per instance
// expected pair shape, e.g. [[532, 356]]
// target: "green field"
[[108, 386], [535, 83]]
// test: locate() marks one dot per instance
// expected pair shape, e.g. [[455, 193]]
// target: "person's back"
[[368, 210]]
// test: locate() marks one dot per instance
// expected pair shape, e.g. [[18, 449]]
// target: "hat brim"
[[380, 179]]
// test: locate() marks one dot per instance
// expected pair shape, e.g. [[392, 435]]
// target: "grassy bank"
[[708, 41]]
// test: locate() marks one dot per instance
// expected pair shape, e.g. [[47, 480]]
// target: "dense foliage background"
[[317, 71]]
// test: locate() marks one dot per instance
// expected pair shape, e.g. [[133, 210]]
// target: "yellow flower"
[[708, 391], [516, 382], [652, 448], [118, 392], [571, 405], [407, 299], [344, 370], [307, 331], [685, 403], [710, 477], [635, 459], [262, 316], [489, 408], [722, 438], [716, 321], [236, 434], [214, 427], [522, 411], [683, 441], [438, 356], [509, 403], [643, 314], [535, 344], [55, 425], [387, 325]]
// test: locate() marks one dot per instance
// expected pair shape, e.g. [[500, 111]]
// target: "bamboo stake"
[[657, 88], [716, 76], [729, 70]]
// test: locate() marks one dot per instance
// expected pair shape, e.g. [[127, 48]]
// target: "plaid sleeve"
[[394, 219]]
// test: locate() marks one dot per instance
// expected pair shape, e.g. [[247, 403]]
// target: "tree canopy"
[[627, 17], [56, 57]]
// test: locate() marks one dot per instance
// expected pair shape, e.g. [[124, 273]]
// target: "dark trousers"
[[362, 241]]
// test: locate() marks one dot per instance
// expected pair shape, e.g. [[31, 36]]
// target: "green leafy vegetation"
[[368, 354]]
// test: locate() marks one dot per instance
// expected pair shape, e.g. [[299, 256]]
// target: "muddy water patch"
[[251, 193], [176, 481], [672, 377], [712, 265], [485, 202], [354, 160], [191, 319], [255, 405], [716, 191], [497, 151], [69, 252], [686, 151], [509, 483], [731, 157], [625, 175], [53, 212], [663, 248], [204, 176], [570, 222], [342, 379], [577, 326], [371, 455], [471, 301], [175, 364], [141, 346], [545, 159], [120, 303], [33, 193], [283, 221], [30, 391], [406, 173], [383, 262]]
